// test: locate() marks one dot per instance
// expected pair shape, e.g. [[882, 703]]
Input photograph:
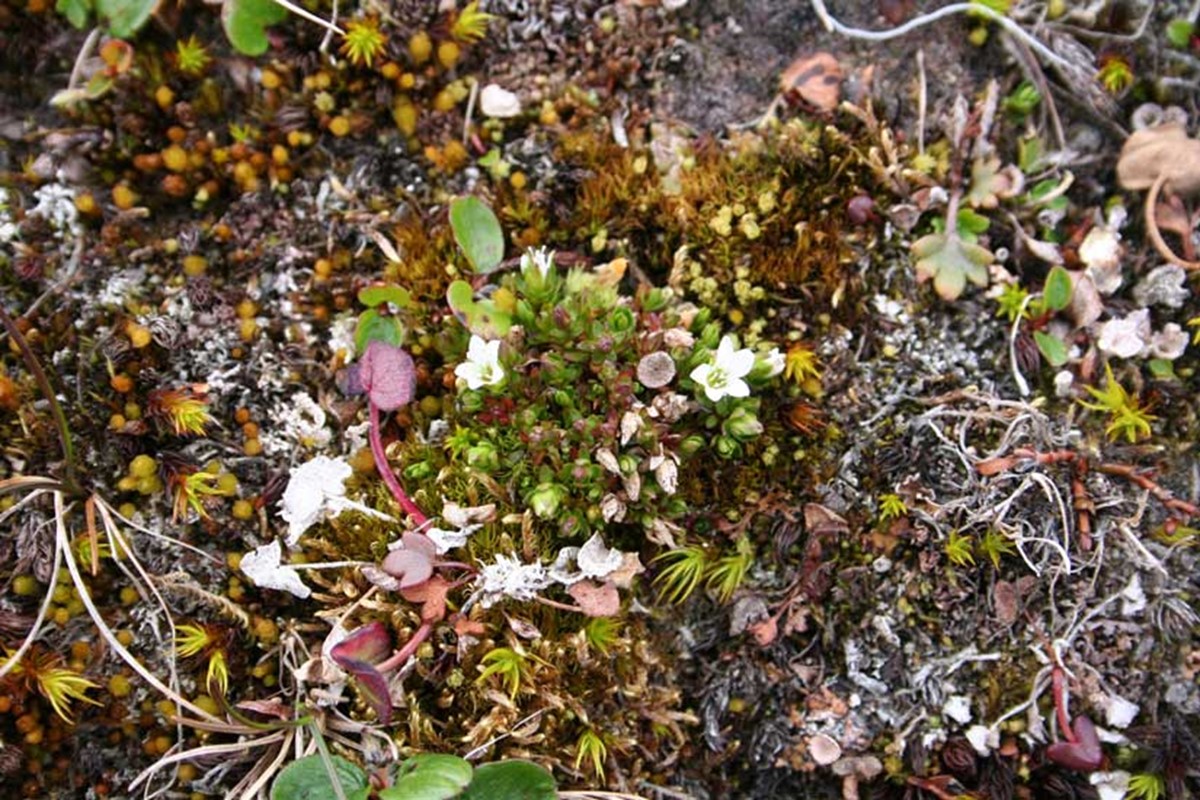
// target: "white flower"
[[317, 490], [1110, 785], [482, 367], [983, 739], [265, 569], [508, 577], [723, 378], [540, 259], [776, 361], [958, 708]]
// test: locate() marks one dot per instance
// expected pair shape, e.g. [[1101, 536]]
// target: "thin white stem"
[[36, 628], [311, 17], [1013, 28], [103, 628]]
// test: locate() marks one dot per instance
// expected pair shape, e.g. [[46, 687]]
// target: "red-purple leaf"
[[1084, 753], [419, 542], [412, 567], [371, 643], [388, 375], [357, 654]]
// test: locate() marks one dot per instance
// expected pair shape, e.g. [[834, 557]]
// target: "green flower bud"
[[564, 399], [727, 447], [483, 456], [471, 401], [628, 464], [418, 471], [703, 317], [654, 300], [742, 425], [691, 445], [546, 498], [710, 335], [621, 320]]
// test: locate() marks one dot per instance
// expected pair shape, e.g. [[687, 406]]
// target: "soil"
[[961, 564]]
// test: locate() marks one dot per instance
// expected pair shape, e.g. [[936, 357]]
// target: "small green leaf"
[[511, 780], [950, 262], [125, 17], [1179, 33], [374, 327], [1053, 349], [246, 21], [76, 11], [429, 777], [478, 233], [1161, 368], [379, 294], [1058, 289], [971, 222], [308, 779], [481, 317]]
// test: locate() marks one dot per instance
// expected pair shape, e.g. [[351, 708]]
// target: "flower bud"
[[743, 425], [483, 456], [727, 447], [546, 498], [691, 445], [710, 335]]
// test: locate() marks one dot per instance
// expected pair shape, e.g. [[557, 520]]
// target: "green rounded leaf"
[[374, 327], [372, 296], [308, 779], [429, 777], [125, 17], [478, 233], [1179, 33], [245, 23], [1057, 291], [511, 780], [76, 11], [481, 317], [1054, 350]]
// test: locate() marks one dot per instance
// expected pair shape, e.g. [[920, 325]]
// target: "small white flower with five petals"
[[482, 367], [540, 259], [723, 377]]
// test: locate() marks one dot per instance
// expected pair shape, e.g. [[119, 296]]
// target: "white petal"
[[701, 375], [736, 387], [262, 566], [1110, 785], [740, 363], [1119, 712]]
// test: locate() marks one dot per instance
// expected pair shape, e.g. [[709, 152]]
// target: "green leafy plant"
[[512, 665], [381, 321], [1127, 418], [730, 571], [1145, 786], [1022, 100], [591, 749], [429, 777], [891, 507], [994, 545], [958, 549], [363, 42], [309, 778], [950, 261], [470, 24], [478, 233], [1180, 32], [684, 572]]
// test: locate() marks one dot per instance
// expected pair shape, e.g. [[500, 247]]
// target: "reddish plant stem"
[[1160, 494], [397, 659], [385, 469], [1058, 681]]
